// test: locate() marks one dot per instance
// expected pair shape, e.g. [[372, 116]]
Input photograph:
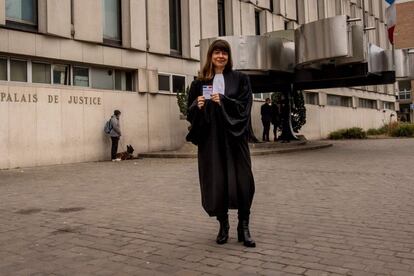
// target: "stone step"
[[190, 151]]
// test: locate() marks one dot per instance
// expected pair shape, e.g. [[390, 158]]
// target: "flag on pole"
[[390, 19]]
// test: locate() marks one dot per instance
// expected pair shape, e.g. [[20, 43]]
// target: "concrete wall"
[[87, 20], [41, 127], [209, 27], [37, 45], [73, 133], [158, 27], [58, 18], [321, 120], [2, 12]]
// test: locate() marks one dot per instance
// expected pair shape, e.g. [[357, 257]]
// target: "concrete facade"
[[51, 130]]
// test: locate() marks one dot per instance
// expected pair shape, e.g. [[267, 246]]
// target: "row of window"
[[22, 14], [312, 98], [336, 100], [20, 70]]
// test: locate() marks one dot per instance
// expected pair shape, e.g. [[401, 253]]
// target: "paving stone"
[[327, 212]]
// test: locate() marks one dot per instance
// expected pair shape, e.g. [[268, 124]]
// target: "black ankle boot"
[[243, 233], [223, 234]]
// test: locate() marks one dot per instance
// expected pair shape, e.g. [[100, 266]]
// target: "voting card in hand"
[[207, 91]]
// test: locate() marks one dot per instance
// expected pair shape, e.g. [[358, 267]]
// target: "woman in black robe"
[[220, 127]]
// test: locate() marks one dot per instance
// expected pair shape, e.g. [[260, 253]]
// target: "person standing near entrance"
[[115, 134], [266, 112], [219, 106], [275, 119]]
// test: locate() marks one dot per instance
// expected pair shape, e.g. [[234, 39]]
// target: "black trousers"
[[241, 214], [266, 130], [114, 148], [275, 132]]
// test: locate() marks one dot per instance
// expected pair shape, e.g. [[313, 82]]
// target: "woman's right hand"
[[200, 101]]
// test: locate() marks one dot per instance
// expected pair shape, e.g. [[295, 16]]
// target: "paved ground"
[[344, 210]]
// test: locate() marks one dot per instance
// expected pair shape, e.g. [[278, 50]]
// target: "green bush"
[[182, 98], [393, 129], [378, 131], [337, 135], [403, 130], [356, 133], [348, 133], [373, 131], [383, 130]]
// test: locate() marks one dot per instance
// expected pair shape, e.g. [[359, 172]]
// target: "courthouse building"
[[65, 65]]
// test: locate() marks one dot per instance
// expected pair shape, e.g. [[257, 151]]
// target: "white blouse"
[[218, 84]]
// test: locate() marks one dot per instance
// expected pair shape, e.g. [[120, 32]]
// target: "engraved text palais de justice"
[[33, 98]]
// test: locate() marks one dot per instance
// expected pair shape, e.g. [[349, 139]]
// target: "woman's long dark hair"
[[207, 72]]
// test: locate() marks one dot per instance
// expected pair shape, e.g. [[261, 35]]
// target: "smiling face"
[[219, 58]]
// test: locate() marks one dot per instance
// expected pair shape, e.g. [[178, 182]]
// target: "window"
[[262, 96], [21, 13], [61, 74], [257, 96], [404, 85], [81, 76], [3, 69], [336, 100], [102, 78], [72, 8], [404, 95], [171, 83], [266, 95], [40, 72], [312, 98], [257, 21], [367, 103], [221, 18], [175, 27], [123, 80], [18, 70], [389, 105], [164, 83], [112, 21], [404, 90], [178, 83]]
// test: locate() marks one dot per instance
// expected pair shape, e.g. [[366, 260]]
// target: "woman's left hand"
[[215, 97]]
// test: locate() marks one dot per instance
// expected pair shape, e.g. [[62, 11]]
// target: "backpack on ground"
[[108, 127]]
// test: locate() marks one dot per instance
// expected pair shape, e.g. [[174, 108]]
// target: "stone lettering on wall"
[[18, 98], [52, 99]]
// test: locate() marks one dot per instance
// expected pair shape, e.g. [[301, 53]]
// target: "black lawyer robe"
[[221, 133]]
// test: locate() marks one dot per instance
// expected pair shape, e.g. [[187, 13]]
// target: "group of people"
[[270, 113]]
